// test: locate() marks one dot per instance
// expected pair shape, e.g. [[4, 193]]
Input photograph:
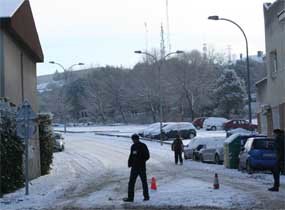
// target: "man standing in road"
[[138, 156], [279, 149], [178, 147]]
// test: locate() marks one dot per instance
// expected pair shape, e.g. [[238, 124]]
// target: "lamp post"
[[215, 17], [65, 81], [159, 82]]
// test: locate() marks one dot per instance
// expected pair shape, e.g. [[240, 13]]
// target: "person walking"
[[137, 162], [279, 149], [178, 147]]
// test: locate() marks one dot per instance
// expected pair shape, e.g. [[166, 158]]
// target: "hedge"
[[46, 138], [11, 150]]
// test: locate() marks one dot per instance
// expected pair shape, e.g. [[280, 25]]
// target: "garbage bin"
[[232, 147]]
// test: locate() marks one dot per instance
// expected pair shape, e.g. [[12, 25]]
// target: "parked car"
[[198, 144], [151, 130], [233, 124], [213, 152], [188, 149], [198, 122], [234, 144], [258, 153], [197, 152], [170, 130], [214, 123], [58, 142]]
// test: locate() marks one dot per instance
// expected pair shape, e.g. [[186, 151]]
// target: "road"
[[92, 173], [100, 178]]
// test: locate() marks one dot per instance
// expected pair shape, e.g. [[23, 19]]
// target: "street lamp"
[[65, 81], [159, 81], [216, 17]]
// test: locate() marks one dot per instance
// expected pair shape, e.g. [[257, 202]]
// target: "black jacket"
[[279, 147], [177, 145], [138, 156]]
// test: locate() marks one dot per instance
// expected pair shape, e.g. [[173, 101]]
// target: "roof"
[[262, 81], [17, 19]]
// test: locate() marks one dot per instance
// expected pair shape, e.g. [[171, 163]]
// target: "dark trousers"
[[276, 174], [178, 154], [135, 172]]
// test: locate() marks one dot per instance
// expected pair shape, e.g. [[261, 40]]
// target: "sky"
[[107, 32]]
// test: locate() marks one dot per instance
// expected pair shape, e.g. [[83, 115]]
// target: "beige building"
[[20, 51], [271, 90]]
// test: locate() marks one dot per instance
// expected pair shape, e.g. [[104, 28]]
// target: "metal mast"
[[167, 27], [146, 36], [162, 42]]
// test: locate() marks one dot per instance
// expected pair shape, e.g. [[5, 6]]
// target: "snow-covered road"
[[92, 173]]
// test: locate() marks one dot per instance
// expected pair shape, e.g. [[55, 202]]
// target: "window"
[[263, 144], [273, 63]]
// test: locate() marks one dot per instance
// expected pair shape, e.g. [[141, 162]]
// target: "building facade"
[[271, 90], [20, 51]]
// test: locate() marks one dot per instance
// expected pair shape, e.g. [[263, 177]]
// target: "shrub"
[[11, 150], [46, 141]]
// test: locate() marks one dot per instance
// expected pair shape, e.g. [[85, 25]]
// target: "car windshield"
[[263, 144]]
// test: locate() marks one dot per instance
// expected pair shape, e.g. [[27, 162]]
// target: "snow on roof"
[[154, 129], [178, 126], [210, 142], [215, 121], [240, 131], [232, 138], [9, 7], [267, 5]]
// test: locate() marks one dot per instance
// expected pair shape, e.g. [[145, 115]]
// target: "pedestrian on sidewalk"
[[178, 147], [137, 162], [279, 149]]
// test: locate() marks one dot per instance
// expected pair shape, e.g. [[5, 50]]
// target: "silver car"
[[58, 142], [213, 153]]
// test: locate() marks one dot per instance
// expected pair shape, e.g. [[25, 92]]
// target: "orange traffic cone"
[[216, 182], [153, 184]]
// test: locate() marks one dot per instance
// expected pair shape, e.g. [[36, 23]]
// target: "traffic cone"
[[216, 182], [153, 184]]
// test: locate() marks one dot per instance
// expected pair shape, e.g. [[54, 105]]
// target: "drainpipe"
[[2, 82], [22, 77]]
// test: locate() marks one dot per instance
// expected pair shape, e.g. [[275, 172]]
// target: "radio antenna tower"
[[162, 44], [146, 36], [167, 27]]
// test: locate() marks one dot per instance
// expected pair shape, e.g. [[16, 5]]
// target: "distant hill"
[[44, 81]]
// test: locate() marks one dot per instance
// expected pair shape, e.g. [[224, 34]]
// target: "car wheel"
[[217, 159], [213, 128], [201, 158], [248, 168]]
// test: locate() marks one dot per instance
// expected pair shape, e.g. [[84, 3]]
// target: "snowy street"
[[92, 173]]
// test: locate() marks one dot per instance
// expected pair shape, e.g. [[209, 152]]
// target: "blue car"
[[258, 153]]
